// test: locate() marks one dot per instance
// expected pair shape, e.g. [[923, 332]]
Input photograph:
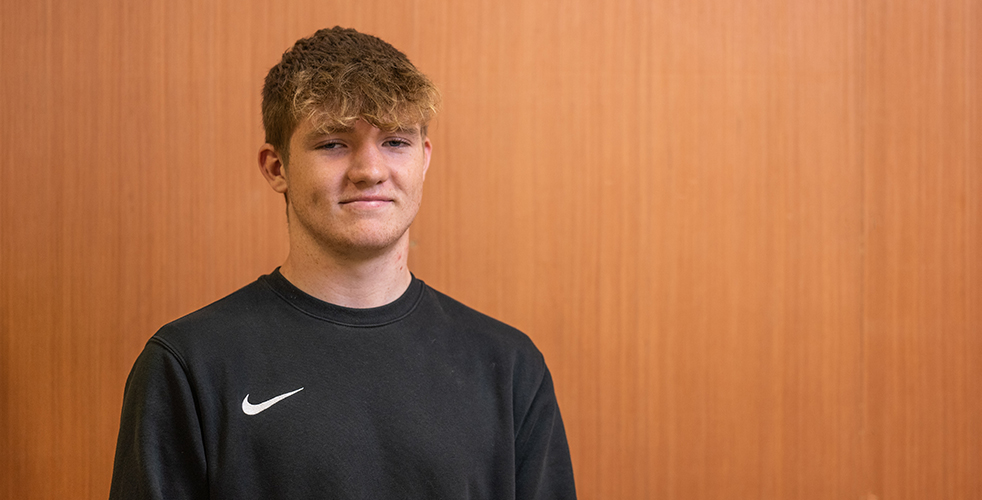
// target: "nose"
[[367, 167]]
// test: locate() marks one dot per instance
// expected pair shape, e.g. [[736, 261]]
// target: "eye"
[[396, 143], [331, 145]]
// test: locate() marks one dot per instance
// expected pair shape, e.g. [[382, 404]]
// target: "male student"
[[340, 375]]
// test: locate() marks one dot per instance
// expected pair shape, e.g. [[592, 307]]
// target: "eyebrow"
[[404, 130], [317, 133]]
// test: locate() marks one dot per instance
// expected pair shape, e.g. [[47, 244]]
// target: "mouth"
[[366, 201]]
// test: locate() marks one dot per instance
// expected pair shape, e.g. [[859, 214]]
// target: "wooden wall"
[[746, 235]]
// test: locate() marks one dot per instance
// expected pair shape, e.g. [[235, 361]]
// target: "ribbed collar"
[[371, 317]]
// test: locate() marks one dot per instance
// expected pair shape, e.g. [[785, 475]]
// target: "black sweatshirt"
[[272, 393]]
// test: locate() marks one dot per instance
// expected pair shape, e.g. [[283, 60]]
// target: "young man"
[[340, 375]]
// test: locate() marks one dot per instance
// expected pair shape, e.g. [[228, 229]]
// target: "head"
[[337, 76]]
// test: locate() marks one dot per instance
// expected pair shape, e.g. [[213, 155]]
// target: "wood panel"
[[674, 212], [923, 297], [129, 198], [746, 235]]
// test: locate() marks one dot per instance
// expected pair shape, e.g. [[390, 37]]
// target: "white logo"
[[251, 409]]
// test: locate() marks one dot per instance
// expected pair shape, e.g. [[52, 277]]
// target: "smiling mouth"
[[367, 202]]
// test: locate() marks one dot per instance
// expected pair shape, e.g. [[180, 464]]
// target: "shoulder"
[[222, 321], [482, 331], [473, 320]]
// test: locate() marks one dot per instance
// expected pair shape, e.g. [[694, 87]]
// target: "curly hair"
[[337, 76]]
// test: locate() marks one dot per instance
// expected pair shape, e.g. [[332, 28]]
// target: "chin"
[[370, 244]]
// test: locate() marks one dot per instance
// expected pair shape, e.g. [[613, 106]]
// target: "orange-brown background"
[[745, 234]]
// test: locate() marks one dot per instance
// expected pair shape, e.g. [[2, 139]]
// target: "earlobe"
[[272, 167]]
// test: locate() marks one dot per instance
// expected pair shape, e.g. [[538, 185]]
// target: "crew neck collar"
[[348, 316]]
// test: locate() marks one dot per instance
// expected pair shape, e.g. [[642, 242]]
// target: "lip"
[[366, 199], [366, 202]]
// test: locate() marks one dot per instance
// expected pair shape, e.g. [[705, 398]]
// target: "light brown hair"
[[337, 76]]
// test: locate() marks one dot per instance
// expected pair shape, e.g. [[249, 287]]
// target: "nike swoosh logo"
[[251, 409]]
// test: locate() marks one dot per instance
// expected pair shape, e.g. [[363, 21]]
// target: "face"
[[351, 192]]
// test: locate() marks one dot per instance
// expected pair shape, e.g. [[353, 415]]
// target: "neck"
[[350, 279]]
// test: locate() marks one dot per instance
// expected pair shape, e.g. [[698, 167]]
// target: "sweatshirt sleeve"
[[544, 469], [159, 452]]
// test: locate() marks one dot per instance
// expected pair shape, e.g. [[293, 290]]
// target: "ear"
[[273, 168], [427, 151]]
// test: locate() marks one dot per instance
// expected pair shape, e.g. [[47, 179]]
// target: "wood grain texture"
[[745, 235], [923, 300], [676, 213], [129, 198]]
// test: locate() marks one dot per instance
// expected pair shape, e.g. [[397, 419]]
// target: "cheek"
[[416, 190], [310, 190], [417, 181]]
